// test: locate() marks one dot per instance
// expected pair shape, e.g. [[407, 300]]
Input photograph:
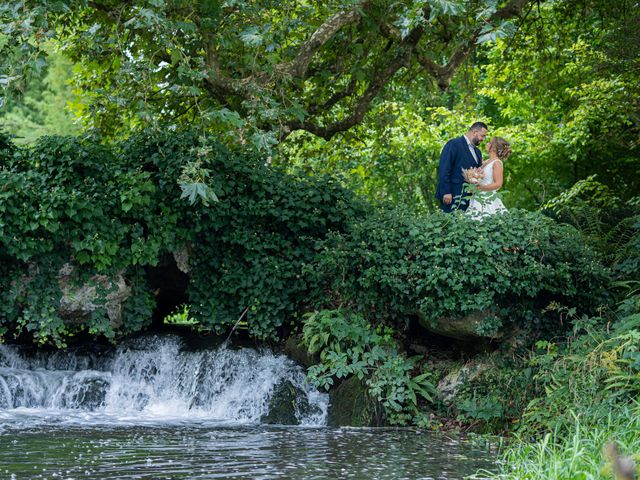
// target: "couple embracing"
[[461, 164]]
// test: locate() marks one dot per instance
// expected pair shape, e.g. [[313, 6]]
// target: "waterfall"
[[153, 379]]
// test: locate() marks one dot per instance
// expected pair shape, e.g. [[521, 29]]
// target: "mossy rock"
[[288, 405], [468, 327], [450, 384], [296, 350], [350, 405]]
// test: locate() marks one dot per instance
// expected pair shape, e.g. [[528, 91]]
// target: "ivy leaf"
[[195, 191]]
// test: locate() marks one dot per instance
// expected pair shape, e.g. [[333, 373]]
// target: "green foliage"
[[395, 263], [611, 224], [589, 376], [584, 396], [43, 108], [113, 210], [562, 90], [577, 454], [349, 345], [251, 72], [391, 158], [565, 93], [490, 391]]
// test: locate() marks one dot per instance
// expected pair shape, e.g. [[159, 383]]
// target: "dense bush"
[[259, 240], [65, 201], [247, 250], [348, 345], [609, 223], [583, 396], [248, 229], [523, 267]]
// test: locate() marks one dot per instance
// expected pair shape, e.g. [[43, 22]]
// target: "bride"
[[485, 200]]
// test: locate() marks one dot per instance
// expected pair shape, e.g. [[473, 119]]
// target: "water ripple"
[[249, 452]]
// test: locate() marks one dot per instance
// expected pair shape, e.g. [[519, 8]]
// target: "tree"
[[567, 91], [257, 70], [43, 109], [563, 89]]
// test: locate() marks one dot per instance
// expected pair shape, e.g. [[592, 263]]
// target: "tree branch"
[[383, 74], [298, 66], [444, 73], [218, 83], [510, 10], [335, 98]]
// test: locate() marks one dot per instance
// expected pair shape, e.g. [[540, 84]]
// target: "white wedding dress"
[[487, 203]]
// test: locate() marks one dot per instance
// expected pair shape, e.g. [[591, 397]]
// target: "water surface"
[[156, 409], [235, 452]]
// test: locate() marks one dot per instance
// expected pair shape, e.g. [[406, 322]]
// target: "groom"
[[459, 153]]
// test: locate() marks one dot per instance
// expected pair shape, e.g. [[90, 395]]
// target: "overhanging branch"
[[444, 73], [218, 82], [384, 73], [298, 66]]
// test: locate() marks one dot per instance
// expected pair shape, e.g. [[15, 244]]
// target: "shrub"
[[349, 345], [64, 202], [118, 209], [395, 264]]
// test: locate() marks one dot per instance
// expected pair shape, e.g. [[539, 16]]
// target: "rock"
[[463, 328], [350, 405], [295, 349], [181, 257], [287, 406], [448, 387], [78, 302], [86, 393]]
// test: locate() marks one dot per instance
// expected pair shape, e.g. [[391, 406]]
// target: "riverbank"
[[583, 451], [582, 418]]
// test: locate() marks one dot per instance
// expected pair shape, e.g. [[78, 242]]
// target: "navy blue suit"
[[455, 156]]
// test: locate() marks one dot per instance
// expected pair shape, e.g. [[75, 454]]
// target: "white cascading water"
[[153, 380]]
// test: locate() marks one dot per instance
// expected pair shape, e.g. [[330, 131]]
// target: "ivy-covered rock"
[[251, 238], [241, 230], [79, 302], [463, 277], [463, 328], [454, 380]]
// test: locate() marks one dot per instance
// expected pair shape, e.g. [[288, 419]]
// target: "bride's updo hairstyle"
[[502, 147]]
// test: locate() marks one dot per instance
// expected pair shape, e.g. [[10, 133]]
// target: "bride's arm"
[[497, 178]]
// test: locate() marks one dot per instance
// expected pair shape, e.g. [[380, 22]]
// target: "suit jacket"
[[454, 157]]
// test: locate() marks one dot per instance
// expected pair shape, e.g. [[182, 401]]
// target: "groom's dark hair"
[[478, 126]]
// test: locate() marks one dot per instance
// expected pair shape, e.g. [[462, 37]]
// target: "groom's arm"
[[445, 168]]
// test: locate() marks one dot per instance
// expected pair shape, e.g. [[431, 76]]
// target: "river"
[[153, 409]]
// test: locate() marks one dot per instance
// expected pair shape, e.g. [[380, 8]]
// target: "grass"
[[577, 455]]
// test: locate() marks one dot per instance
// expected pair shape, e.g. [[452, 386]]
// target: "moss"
[[352, 406], [287, 406], [295, 349]]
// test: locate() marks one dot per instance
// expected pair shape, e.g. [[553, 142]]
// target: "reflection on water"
[[234, 452]]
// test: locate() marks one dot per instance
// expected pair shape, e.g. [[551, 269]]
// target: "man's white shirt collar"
[[468, 141], [472, 148]]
